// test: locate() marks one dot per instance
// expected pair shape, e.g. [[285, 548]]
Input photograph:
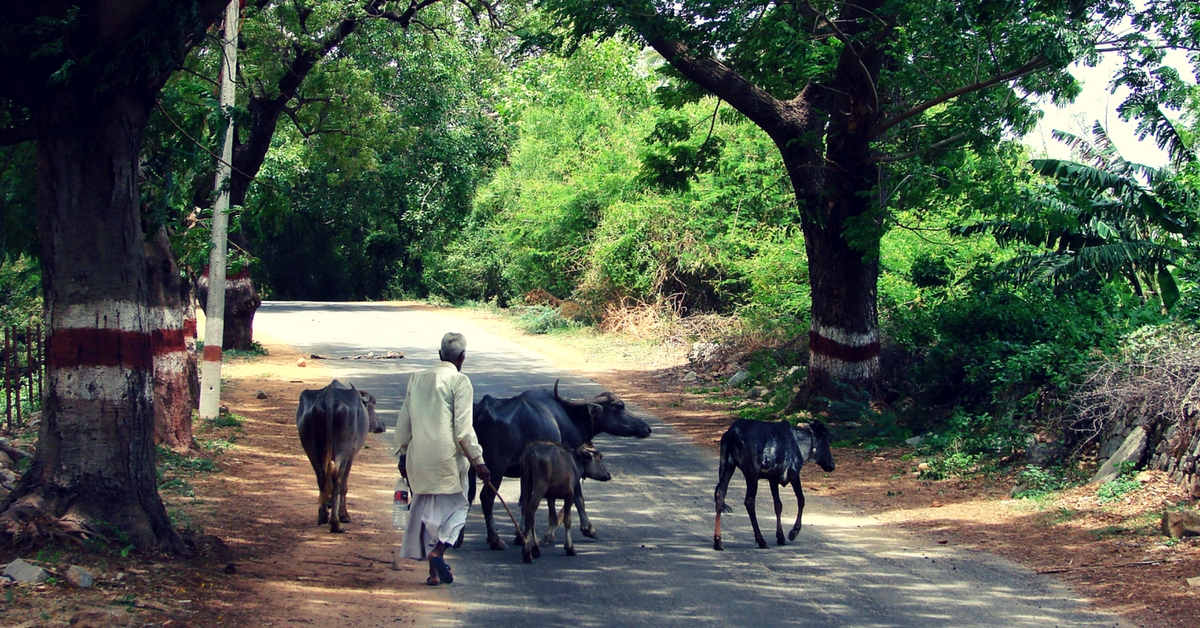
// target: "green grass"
[[256, 350], [225, 419], [217, 446], [174, 469]]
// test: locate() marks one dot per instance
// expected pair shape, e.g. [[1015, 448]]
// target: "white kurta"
[[435, 417]]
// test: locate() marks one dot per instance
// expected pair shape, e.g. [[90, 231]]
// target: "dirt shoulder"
[[251, 505], [1110, 553], [262, 560]]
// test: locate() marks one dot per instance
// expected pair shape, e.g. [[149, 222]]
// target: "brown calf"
[[550, 471]]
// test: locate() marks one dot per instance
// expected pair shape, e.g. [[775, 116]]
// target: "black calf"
[[771, 451]]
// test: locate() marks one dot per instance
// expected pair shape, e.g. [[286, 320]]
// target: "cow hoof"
[[590, 532], [762, 544], [498, 545], [779, 540], [717, 544], [548, 539], [322, 519], [571, 551], [337, 530], [527, 557], [344, 518], [537, 552], [793, 534]]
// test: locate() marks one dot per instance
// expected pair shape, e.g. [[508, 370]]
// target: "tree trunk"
[[241, 302], [95, 466], [176, 371]]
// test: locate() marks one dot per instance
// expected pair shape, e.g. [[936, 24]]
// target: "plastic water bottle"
[[400, 505]]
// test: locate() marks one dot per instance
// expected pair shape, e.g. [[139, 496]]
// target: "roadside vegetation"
[[544, 160]]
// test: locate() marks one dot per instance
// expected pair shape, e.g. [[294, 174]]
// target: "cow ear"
[[594, 410], [367, 397]]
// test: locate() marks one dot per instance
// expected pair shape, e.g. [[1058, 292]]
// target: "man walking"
[[432, 432]]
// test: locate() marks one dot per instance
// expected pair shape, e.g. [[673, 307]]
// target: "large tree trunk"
[[176, 370], [241, 302], [95, 466], [842, 231]]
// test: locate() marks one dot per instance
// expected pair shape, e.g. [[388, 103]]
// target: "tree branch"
[[1033, 65], [887, 159]]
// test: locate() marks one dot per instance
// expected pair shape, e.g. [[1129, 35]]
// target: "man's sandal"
[[443, 570]]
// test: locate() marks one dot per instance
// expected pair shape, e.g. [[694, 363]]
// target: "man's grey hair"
[[453, 345]]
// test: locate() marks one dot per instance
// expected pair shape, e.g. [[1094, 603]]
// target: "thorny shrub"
[[1154, 378]]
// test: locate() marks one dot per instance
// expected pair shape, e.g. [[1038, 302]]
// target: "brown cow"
[[550, 471]]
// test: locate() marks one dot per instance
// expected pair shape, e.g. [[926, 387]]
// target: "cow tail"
[[329, 489], [723, 465], [471, 485]]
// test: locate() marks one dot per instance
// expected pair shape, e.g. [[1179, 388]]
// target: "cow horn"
[[560, 399], [570, 402]]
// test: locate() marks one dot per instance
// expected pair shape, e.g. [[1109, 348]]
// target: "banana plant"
[[1101, 215]]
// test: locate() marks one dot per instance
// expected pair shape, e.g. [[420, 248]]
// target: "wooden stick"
[[1140, 563], [29, 360], [520, 533]]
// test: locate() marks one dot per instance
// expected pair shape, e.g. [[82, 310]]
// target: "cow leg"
[[751, 493], [322, 503], [566, 519], [487, 499], [322, 513], [530, 549], [337, 503], [552, 521], [719, 498], [343, 511], [778, 513], [585, 524], [800, 510]]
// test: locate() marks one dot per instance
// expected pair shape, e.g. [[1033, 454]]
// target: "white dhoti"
[[433, 519]]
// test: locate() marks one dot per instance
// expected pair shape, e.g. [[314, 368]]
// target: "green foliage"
[[256, 350], [969, 438], [171, 462], [955, 464], [20, 291], [364, 192], [1038, 482], [540, 319], [175, 469], [585, 210], [225, 419], [1120, 486], [1104, 217], [18, 202]]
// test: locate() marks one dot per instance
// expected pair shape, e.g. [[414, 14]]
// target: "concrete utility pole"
[[214, 329]]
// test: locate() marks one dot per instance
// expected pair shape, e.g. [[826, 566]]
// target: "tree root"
[[27, 523]]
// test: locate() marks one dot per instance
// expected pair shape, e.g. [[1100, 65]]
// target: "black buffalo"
[[333, 423], [505, 427], [771, 451]]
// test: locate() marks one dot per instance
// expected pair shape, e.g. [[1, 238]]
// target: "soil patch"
[[262, 559]]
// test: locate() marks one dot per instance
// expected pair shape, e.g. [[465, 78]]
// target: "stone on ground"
[[100, 619], [1180, 524], [22, 571], [1131, 451], [79, 577]]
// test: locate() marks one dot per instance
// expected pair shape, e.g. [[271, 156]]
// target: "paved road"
[[653, 563]]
